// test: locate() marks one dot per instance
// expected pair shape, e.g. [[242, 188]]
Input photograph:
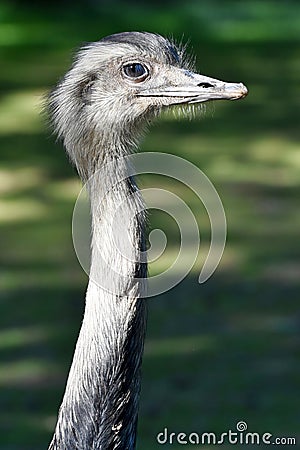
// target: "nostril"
[[205, 85]]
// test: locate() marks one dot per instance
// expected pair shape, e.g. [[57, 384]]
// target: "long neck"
[[100, 404]]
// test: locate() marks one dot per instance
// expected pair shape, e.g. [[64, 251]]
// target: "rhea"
[[114, 88]]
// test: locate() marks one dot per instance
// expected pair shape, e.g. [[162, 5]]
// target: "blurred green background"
[[216, 353]]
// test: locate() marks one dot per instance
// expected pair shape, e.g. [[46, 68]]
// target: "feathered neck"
[[100, 404]]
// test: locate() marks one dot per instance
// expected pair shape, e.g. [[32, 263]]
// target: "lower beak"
[[195, 88]]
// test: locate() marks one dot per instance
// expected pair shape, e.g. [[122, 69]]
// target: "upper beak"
[[195, 88]]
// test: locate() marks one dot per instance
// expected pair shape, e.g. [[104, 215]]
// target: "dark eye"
[[136, 71]]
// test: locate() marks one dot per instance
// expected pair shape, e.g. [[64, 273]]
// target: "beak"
[[194, 88]]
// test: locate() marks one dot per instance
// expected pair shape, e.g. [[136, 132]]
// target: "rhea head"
[[118, 84]]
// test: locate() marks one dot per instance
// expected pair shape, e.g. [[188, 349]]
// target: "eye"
[[136, 71]]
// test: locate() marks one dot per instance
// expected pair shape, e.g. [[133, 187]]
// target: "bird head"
[[121, 81]]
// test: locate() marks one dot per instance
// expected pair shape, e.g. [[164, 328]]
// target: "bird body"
[[100, 109]]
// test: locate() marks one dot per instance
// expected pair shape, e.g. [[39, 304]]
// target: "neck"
[[99, 408]]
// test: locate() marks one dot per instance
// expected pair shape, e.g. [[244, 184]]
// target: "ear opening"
[[86, 88]]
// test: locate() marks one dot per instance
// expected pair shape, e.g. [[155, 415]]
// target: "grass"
[[215, 353]]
